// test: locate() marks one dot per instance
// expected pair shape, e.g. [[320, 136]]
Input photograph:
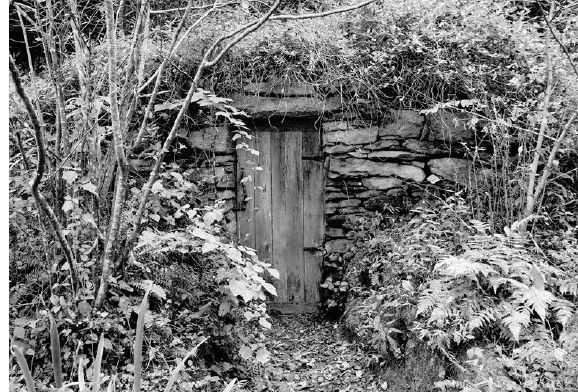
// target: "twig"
[[243, 34], [172, 50], [121, 174], [30, 65], [562, 46], [21, 148], [546, 172], [66, 158], [156, 12], [174, 46]]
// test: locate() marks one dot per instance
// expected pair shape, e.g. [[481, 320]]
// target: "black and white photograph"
[[291, 195]]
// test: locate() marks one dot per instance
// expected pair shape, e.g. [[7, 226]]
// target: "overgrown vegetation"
[[486, 280], [470, 296]]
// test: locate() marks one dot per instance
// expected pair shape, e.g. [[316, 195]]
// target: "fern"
[[481, 319], [516, 320], [536, 299], [493, 283], [463, 266], [155, 289], [563, 310]]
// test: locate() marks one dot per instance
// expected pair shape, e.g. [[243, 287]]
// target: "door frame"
[[311, 163]]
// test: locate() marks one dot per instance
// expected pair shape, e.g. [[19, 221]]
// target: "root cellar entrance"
[[280, 208]]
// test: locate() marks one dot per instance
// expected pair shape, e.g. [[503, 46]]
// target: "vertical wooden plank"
[[278, 211], [262, 195], [245, 196], [313, 199], [293, 254]]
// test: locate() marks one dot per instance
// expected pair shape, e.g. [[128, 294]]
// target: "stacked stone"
[[217, 144], [209, 158], [371, 166]]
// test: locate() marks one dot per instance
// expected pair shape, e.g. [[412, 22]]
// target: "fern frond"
[[497, 282], [481, 320], [157, 290], [517, 319], [536, 299], [461, 266], [428, 298], [482, 228], [563, 311]]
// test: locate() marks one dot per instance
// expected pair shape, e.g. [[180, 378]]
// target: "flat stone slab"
[[382, 183], [405, 124], [279, 89], [453, 169], [393, 155], [265, 107], [338, 149], [354, 167], [351, 136], [448, 126], [215, 139]]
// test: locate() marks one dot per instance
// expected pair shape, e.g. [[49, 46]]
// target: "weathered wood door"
[[280, 206]]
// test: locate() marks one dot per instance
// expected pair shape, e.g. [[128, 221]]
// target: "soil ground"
[[311, 354]]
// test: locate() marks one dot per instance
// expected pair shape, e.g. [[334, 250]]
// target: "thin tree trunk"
[[38, 197], [119, 150], [111, 240]]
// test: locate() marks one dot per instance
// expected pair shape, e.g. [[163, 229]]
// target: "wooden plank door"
[[280, 210]]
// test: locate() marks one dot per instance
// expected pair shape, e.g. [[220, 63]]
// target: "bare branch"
[[22, 152], [30, 65], [40, 200], [322, 14], [244, 33], [136, 42], [553, 152], [160, 72], [80, 49], [562, 46], [119, 149], [113, 85], [530, 199], [187, 9], [110, 243], [58, 80]]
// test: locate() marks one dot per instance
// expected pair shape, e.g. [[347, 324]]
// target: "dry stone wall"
[[375, 167], [370, 166]]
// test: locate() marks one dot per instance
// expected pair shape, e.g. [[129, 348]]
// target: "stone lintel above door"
[[260, 107]]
